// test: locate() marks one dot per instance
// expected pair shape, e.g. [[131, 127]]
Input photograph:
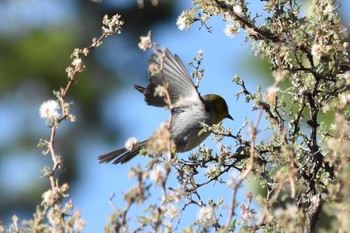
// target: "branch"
[[313, 213]]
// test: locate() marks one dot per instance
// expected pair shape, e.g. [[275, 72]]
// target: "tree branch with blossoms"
[[54, 214], [311, 53]]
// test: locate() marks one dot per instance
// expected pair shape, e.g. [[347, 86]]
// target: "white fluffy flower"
[[237, 9], [77, 62], [48, 197], [131, 143], [172, 211], [329, 10], [181, 21], [316, 50], [201, 53], [157, 174], [231, 29], [231, 182], [206, 213], [272, 93], [49, 110], [146, 42]]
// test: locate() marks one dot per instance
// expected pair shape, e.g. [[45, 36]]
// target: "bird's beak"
[[229, 116]]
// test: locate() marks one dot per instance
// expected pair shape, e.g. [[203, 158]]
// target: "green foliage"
[[31, 57]]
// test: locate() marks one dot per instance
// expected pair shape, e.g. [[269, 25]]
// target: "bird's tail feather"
[[122, 155]]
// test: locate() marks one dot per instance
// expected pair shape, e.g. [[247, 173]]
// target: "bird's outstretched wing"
[[176, 78]]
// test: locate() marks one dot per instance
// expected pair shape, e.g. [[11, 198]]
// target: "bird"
[[188, 108]]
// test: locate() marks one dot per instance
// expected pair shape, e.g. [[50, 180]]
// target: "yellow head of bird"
[[217, 106]]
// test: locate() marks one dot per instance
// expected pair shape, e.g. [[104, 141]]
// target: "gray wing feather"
[[180, 85]]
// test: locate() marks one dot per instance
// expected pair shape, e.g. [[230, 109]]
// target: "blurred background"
[[37, 38]]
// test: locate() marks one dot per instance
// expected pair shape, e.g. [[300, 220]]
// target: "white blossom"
[[205, 213], [237, 9], [131, 143], [146, 42], [231, 29], [49, 110], [201, 53], [316, 50], [345, 98], [231, 182], [77, 62], [271, 93], [329, 10], [48, 197], [172, 211], [157, 174], [182, 21]]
